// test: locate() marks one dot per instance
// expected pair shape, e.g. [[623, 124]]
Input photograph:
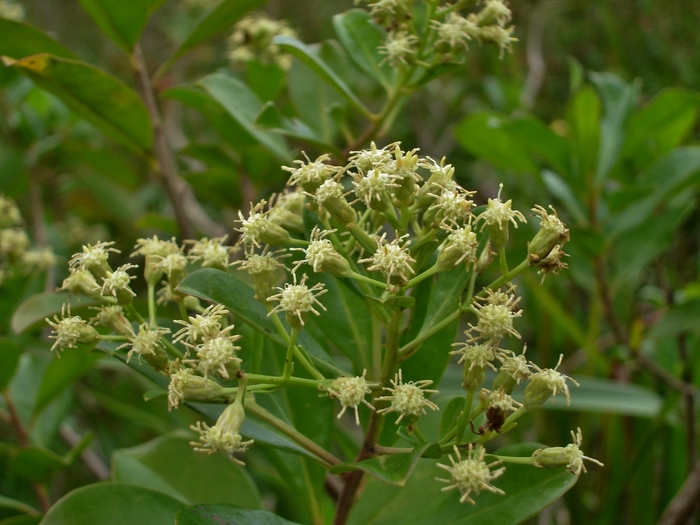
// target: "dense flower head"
[[545, 383], [570, 456], [225, 435], [495, 316], [455, 32], [13, 242], [393, 259], [146, 342], [350, 391], [39, 259], [399, 48], [516, 367], [212, 253], [297, 300], [9, 212], [321, 255], [80, 281], [201, 327], [118, 282], [217, 353], [70, 330], [310, 175], [501, 400], [499, 36], [372, 158], [112, 316], [499, 214], [252, 40], [155, 247], [374, 188], [479, 356], [258, 263], [452, 204], [407, 399], [94, 258], [472, 474], [460, 246]]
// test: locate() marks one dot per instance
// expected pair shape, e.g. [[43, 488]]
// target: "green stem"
[[323, 456], [365, 279], [361, 236], [289, 358], [502, 261], [113, 338], [464, 416], [299, 352], [392, 346], [514, 460], [421, 277], [260, 379], [508, 276], [152, 305]]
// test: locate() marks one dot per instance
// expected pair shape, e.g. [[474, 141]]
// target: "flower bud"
[[551, 233], [185, 385], [81, 281]]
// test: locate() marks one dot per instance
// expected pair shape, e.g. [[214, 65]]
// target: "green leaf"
[[62, 373], [312, 60], [36, 464], [111, 503], [169, 464], [668, 175], [220, 18], [393, 469], [618, 99], [9, 359], [103, 100], [662, 124], [560, 189], [121, 20], [19, 40], [239, 298], [38, 307], [21, 520], [485, 135], [528, 490], [227, 515], [244, 106], [583, 116], [347, 324], [678, 318], [361, 38], [9, 503], [450, 414], [535, 137]]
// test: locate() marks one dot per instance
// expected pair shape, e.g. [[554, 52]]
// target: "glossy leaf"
[[618, 100], [121, 20], [170, 465], [38, 307], [485, 136], [103, 100], [220, 18], [9, 359], [19, 40], [528, 490], [361, 37], [36, 464], [347, 324], [450, 414], [244, 106], [584, 124], [226, 515], [112, 503], [323, 70], [239, 298], [541, 142], [393, 469], [62, 373]]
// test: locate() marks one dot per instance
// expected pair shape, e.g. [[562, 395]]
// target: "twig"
[[682, 505], [89, 457], [174, 186], [23, 440]]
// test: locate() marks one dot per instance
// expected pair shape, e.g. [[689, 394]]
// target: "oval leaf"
[[19, 40], [111, 503], [244, 106], [308, 57], [38, 307], [169, 464], [9, 359], [528, 490], [214, 21], [104, 100], [227, 515], [121, 20], [361, 37]]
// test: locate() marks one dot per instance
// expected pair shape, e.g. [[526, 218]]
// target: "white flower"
[[146, 341], [40, 259], [13, 242], [391, 259], [369, 159], [201, 328], [310, 175], [119, 281], [570, 456], [211, 252], [225, 435], [68, 331], [94, 258], [499, 214], [495, 318], [479, 356], [296, 300], [399, 48], [350, 391], [545, 383], [216, 353], [407, 399], [453, 204], [261, 263], [374, 187], [472, 474], [461, 244]]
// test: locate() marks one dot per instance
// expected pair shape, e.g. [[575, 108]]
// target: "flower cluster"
[[252, 40]]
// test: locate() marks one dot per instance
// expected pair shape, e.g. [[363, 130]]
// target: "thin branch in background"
[[41, 238], [681, 507], [536, 64], [89, 457]]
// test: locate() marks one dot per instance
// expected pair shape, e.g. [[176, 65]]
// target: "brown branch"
[[174, 186], [682, 505], [23, 440]]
